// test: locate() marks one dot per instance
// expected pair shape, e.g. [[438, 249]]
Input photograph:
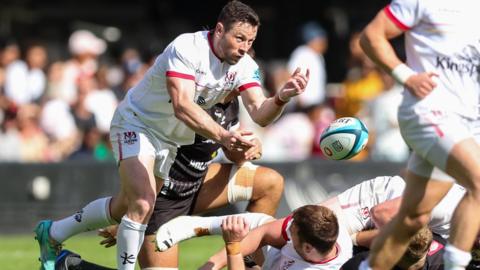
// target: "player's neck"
[[325, 257]]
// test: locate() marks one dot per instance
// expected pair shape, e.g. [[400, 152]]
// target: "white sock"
[[130, 236], [455, 259], [364, 265], [254, 220], [186, 227], [94, 215]]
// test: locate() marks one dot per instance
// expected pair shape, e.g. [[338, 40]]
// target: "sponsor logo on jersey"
[[201, 72], [199, 165], [129, 137], [256, 74], [469, 67], [219, 117]]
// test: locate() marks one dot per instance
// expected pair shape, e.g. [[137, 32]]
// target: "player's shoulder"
[[247, 62], [190, 42]]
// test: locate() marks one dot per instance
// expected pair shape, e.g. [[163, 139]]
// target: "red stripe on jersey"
[[120, 153], [284, 227], [248, 85], [345, 206], [394, 19], [180, 75], [210, 43], [337, 249]]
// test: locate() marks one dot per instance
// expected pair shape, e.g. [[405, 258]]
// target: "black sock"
[[75, 263]]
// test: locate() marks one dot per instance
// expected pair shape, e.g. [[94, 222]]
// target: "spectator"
[[85, 48], [25, 81], [309, 55], [34, 143]]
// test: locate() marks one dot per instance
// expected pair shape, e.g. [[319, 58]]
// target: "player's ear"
[[219, 29]]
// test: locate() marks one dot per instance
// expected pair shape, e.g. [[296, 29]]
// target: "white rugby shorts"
[[132, 138], [432, 133]]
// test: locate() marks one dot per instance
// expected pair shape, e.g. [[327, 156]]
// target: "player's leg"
[[166, 208], [68, 260], [464, 165], [138, 182], [423, 194], [227, 183]]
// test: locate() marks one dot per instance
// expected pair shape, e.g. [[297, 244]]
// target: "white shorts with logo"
[[432, 133], [132, 138]]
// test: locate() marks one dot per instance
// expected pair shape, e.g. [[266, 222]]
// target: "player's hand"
[[295, 85], [236, 140], [110, 235], [234, 228], [254, 152], [421, 84]]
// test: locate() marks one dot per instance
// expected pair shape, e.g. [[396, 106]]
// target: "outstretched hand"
[[295, 85]]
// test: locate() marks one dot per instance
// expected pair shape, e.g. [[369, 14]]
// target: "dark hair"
[[236, 11], [317, 225]]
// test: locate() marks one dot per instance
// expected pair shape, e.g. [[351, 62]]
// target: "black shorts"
[[169, 208]]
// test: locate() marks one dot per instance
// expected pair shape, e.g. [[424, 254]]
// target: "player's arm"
[[365, 238], [267, 234], [382, 213], [234, 229], [265, 110], [182, 93], [375, 43]]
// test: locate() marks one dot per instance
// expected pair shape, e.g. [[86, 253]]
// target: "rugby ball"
[[343, 138]]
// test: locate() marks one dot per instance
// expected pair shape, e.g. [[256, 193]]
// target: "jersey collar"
[[210, 43]]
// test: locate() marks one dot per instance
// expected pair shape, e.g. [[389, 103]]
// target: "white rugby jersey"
[[443, 36], [356, 202], [288, 259], [190, 56]]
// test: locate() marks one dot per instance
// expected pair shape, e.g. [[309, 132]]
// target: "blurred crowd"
[[52, 111]]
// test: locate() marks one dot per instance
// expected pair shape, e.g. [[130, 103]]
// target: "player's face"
[[235, 43]]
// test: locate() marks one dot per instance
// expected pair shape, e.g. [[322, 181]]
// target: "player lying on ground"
[[358, 209]]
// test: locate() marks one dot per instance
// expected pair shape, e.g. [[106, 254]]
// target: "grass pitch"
[[20, 252]]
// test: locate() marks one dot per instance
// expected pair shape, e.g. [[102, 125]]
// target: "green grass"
[[20, 252]]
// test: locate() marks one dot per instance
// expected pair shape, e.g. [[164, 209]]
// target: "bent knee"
[[142, 207]]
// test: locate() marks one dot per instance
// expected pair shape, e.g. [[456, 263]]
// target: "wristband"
[[233, 248], [401, 73], [278, 101]]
